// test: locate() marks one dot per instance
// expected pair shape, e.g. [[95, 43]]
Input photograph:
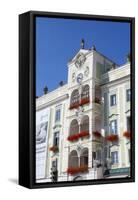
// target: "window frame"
[[112, 100], [114, 157], [128, 95], [115, 132]]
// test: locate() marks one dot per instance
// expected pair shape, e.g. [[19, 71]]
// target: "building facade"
[[83, 127]]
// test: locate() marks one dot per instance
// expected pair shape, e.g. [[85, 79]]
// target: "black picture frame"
[[27, 90]]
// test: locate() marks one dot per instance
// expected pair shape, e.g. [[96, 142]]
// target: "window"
[[128, 123], [113, 127], [114, 157], [54, 164], [113, 100], [75, 97], [84, 157], [85, 92], [56, 139], [99, 155], [128, 95], [129, 155], [57, 115]]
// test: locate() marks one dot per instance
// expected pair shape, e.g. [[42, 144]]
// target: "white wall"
[[9, 11]]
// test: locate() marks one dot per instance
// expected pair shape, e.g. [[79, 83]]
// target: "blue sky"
[[58, 40]]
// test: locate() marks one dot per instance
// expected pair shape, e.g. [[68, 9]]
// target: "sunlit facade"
[[83, 127]]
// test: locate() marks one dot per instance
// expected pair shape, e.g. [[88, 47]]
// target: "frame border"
[[27, 90]]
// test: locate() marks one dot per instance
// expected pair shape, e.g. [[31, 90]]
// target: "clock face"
[[80, 78]]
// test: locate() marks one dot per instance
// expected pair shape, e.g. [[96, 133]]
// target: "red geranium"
[[84, 101], [73, 137], [112, 138], [75, 170], [127, 134]]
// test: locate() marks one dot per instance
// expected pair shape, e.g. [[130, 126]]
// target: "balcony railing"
[[82, 102], [75, 170], [78, 135]]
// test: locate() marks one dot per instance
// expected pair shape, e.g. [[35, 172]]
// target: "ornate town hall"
[[83, 127]]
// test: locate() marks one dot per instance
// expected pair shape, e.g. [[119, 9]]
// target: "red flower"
[[84, 101], [73, 137], [127, 134], [112, 138], [84, 134], [53, 148], [75, 170], [97, 134], [78, 135]]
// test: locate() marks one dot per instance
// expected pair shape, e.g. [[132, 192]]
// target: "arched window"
[[84, 157], [74, 127], [85, 124], [74, 97], [73, 159], [85, 92]]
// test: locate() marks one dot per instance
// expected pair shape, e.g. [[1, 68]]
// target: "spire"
[[82, 43]]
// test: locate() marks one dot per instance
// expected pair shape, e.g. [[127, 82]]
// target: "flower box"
[[97, 134], [78, 135], [112, 138], [73, 137], [75, 170], [54, 148], [74, 105], [127, 134], [84, 134], [97, 100], [84, 101]]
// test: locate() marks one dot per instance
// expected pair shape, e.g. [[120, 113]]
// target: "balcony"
[[84, 101], [76, 136], [112, 138], [76, 170]]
